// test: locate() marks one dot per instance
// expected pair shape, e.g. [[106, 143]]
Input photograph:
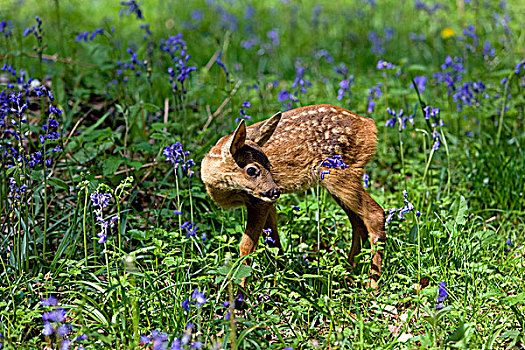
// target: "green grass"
[[470, 191]]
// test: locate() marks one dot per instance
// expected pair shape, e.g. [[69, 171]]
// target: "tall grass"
[[109, 240]]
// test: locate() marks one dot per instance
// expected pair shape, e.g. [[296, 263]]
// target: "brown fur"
[[295, 143]]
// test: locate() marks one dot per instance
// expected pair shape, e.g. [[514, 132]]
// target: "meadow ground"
[[108, 239]]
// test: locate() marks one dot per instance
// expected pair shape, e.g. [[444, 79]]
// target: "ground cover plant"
[[109, 240]]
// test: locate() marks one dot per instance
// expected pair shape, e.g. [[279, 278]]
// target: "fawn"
[[283, 154]]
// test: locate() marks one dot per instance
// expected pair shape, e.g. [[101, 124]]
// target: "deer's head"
[[236, 169]]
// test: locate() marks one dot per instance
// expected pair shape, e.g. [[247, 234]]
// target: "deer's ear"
[[239, 138], [265, 131]]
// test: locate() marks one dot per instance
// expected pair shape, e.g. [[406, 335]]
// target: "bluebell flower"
[[416, 37], [373, 93], [199, 297], [430, 9], [420, 82], [51, 301], [300, 82], [100, 199], [222, 65], [268, 239], [6, 28], [377, 43], [48, 329], [451, 73], [334, 162], [249, 43], [384, 65], [131, 6], [81, 337], [242, 111], [144, 339], [186, 304], [408, 207], [325, 55], [366, 180], [442, 294], [488, 50], [344, 87], [273, 35], [518, 67], [176, 48], [190, 227], [177, 156], [283, 95], [197, 15]]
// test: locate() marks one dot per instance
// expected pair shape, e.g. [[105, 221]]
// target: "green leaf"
[[417, 68], [59, 183], [140, 235], [110, 165], [243, 271], [515, 299], [151, 107], [458, 334], [461, 217], [412, 235]]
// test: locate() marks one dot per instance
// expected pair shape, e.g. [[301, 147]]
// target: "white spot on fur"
[[312, 112], [345, 112], [333, 109], [327, 135], [322, 109]]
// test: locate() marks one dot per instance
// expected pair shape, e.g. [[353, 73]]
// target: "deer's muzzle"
[[272, 193]]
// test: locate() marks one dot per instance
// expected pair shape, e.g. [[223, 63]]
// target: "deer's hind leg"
[[359, 232], [366, 216]]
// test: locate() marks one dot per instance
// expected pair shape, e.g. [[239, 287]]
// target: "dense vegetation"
[[109, 240]]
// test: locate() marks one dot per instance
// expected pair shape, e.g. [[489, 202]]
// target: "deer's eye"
[[252, 171]]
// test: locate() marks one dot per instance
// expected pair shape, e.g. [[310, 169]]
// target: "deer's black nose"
[[273, 193]]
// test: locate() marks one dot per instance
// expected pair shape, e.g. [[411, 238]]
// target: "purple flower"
[[344, 87], [300, 82], [131, 7], [51, 301], [420, 82], [408, 207], [268, 238], [48, 329], [373, 93], [377, 43], [366, 180], [199, 297], [222, 65], [6, 28], [191, 229], [334, 162], [324, 54], [242, 111], [442, 294], [488, 50], [100, 199], [283, 96], [144, 339], [186, 304], [177, 156], [273, 35], [384, 65]]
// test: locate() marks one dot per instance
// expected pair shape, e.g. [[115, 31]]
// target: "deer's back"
[[306, 136]]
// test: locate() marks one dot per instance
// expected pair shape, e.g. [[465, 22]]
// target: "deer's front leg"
[[257, 214]]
